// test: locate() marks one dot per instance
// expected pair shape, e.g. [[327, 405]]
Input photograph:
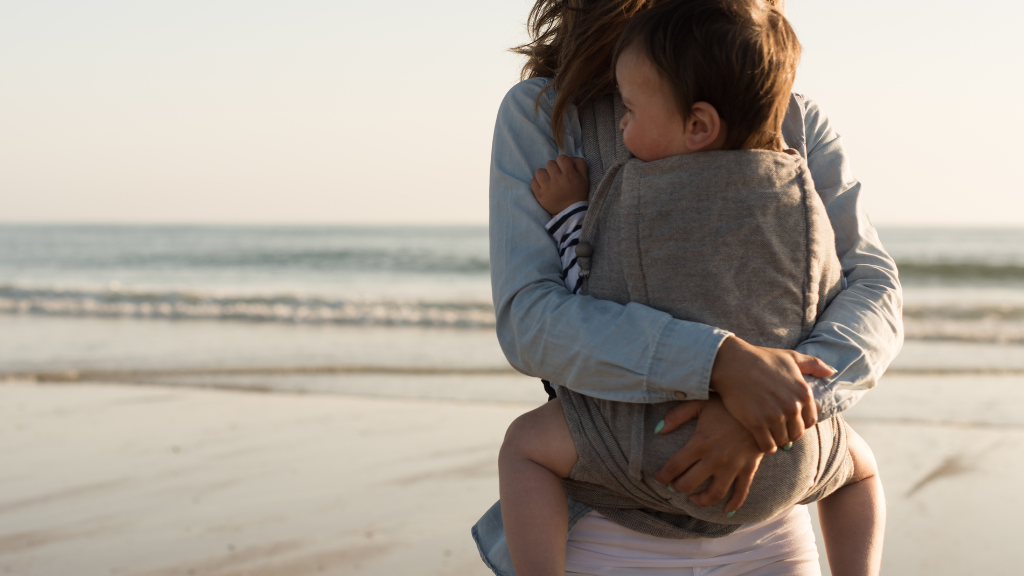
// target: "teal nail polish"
[[670, 489], [730, 514], [659, 426], [787, 447], [656, 481], [832, 367]]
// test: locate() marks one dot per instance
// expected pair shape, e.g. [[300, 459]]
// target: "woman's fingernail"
[[730, 514], [787, 447], [656, 481], [659, 426], [832, 367], [670, 489]]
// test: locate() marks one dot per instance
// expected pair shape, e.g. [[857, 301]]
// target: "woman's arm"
[[861, 331], [629, 353]]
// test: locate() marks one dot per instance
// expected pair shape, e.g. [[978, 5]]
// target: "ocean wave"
[[982, 334], [966, 312], [201, 250], [368, 259], [121, 303], [965, 323], [960, 271]]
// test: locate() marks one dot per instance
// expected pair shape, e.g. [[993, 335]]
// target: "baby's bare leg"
[[538, 451], [853, 517]]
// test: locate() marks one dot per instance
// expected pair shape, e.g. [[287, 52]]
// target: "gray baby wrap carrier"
[[734, 239]]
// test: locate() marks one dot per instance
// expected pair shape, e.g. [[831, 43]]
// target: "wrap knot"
[[583, 253]]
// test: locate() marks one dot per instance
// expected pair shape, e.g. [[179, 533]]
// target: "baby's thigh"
[[542, 436], [864, 465]]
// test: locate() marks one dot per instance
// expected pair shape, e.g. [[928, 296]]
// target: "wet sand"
[[157, 480], [115, 479]]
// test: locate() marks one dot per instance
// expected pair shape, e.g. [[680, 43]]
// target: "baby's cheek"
[[638, 146], [629, 139]]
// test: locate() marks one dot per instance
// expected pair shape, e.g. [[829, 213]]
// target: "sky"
[[318, 111]]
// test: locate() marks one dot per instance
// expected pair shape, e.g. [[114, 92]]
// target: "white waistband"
[[598, 546]]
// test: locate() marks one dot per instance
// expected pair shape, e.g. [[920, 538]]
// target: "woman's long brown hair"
[[572, 42]]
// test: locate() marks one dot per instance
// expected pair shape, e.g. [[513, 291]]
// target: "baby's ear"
[[704, 128]]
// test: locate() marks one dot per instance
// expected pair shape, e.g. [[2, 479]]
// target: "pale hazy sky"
[[382, 112]]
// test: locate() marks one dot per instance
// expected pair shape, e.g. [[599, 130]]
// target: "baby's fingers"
[[553, 168], [566, 164], [581, 165], [542, 176]]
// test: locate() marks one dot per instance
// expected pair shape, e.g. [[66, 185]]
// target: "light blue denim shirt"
[[633, 353]]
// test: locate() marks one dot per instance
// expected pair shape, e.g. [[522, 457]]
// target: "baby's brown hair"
[[740, 56]]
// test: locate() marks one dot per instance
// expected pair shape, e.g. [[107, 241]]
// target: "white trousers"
[[782, 546]]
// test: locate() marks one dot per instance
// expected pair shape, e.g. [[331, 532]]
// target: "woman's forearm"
[[861, 331]]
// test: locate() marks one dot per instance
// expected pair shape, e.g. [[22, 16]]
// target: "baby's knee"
[[519, 436], [541, 436], [527, 432]]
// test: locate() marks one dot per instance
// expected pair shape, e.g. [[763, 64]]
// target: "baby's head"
[[701, 75]]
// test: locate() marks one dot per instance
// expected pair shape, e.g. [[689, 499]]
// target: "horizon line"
[[454, 224]]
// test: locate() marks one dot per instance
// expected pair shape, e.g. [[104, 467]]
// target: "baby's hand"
[[561, 183]]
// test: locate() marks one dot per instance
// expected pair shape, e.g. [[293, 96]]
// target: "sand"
[[120, 479], [113, 479]]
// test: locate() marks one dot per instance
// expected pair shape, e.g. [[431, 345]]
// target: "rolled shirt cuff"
[[824, 396], [680, 367]]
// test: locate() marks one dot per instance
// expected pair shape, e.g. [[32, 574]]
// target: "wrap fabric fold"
[[735, 239]]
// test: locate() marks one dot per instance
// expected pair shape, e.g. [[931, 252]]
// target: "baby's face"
[[652, 127]]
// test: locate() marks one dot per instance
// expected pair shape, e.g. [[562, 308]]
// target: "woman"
[[637, 354]]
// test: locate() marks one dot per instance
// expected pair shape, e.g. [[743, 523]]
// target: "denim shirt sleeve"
[[861, 331], [629, 353]]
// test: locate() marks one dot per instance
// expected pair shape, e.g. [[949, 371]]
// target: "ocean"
[[327, 298], [339, 275]]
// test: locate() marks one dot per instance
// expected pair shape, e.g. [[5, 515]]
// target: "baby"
[[678, 102]]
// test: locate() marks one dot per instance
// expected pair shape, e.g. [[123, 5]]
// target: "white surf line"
[[935, 422], [439, 399], [71, 376], [92, 374], [955, 371], [541, 396]]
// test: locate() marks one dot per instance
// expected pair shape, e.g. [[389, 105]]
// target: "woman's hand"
[[765, 390], [720, 449]]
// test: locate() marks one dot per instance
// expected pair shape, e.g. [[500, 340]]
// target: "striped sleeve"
[[564, 229]]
